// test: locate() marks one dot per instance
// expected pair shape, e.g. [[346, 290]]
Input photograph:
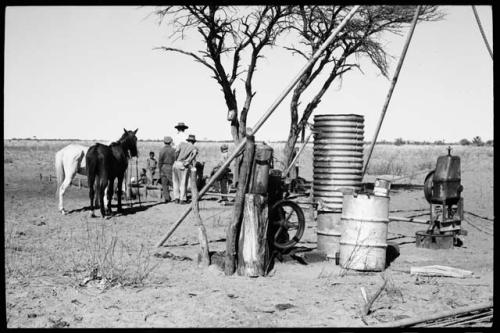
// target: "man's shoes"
[[176, 201]]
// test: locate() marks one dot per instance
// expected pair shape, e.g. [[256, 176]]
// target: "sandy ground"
[[46, 255]]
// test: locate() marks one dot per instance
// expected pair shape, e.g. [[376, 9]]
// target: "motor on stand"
[[442, 189]]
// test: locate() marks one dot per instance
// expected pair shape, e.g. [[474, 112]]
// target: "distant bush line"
[[476, 141]]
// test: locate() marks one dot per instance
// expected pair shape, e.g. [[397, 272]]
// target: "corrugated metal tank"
[[337, 169]]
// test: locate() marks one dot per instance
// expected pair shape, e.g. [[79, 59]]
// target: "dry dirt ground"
[[49, 259]]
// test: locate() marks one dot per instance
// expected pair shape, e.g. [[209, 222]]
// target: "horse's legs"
[[92, 191], [101, 187], [69, 175], [110, 194], [120, 182]]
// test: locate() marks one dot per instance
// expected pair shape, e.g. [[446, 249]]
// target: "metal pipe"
[[393, 83], [261, 121], [406, 219], [482, 32], [298, 154]]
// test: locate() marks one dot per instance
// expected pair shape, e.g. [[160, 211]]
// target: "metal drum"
[[363, 242], [337, 170], [328, 233]]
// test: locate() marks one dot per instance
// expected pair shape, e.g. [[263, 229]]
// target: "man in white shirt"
[[185, 160], [180, 136]]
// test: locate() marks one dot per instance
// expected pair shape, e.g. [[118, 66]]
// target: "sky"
[[88, 72]]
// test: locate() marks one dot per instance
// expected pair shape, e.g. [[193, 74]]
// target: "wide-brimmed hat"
[[191, 138], [167, 139], [224, 148], [181, 125]]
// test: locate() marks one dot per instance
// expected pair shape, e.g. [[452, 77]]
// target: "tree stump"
[[262, 164], [253, 249], [233, 228]]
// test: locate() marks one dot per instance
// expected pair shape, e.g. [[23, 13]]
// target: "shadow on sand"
[[127, 209]]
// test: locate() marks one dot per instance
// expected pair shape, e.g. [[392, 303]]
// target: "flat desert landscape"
[[76, 271]]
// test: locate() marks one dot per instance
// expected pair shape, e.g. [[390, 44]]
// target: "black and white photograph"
[[248, 166]]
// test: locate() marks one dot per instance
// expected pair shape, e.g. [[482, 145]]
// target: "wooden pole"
[[262, 120], [253, 249], [393, 84], [203, 256], [233, 227], [137, 180], [435, 316], [482, 31]]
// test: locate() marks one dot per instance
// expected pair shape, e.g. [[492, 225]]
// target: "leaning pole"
[[262, 120], [393, 84]]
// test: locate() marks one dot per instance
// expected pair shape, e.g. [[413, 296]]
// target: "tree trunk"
[[253, 249], [289, 146], [233, 228], [203, 256]]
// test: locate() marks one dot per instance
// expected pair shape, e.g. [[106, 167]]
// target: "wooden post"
[[253, 249], [260, 175], [233, 227], [203, 256], [41, 177], [50, 178], [79, 183]]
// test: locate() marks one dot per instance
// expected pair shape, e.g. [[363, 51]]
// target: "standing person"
[[166, 161], [151, 165], [181, 135], [186, 153], [224, 176]]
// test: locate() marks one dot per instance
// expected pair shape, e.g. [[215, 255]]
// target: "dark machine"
[[286, 218], [442, 189]]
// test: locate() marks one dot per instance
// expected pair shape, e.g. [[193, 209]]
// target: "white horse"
[[70, 160]]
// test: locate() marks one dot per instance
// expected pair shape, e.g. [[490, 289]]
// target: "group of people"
[[176, 160]]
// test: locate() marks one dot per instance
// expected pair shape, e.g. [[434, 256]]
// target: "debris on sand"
[[58, 323], [438, 270], [284, 306], [170, 255]]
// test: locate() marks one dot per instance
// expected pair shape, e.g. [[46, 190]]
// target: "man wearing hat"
[[165, 163], [181, 135], [224, 176], [186, 153]]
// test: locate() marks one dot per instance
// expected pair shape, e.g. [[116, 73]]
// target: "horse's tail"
[[59, 170]]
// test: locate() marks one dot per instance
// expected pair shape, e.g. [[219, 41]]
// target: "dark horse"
[[104, 164]]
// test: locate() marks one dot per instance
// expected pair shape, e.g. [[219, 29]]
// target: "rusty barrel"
[[337, 170], [363, 243]]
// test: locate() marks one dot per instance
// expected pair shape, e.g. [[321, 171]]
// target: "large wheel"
[[428, 186], [287, 224]]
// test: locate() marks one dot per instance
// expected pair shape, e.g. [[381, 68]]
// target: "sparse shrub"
[[439, 142], [464, 142], [399, 142], [477, 141], [489, 143]]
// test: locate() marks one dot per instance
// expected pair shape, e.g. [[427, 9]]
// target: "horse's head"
[[129, 141]]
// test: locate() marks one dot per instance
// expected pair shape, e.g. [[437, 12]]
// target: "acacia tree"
[[360, 37], [228, 34]]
